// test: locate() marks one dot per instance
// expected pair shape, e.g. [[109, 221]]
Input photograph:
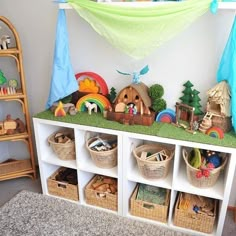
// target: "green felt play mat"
[[156, 129]]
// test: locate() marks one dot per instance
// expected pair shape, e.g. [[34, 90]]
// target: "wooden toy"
[[3, 79], [59, 111], [68, 108], [101, 101], [166, 116], [89, 86], [5, 40], [218, 113], [11, 126], [20, 126], [91, 107], [94, 78], [188, 124], [132, 106]]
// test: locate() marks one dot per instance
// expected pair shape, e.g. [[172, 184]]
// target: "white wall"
[[192, 55]]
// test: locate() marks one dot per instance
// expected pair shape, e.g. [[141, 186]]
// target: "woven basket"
[[103, 159], [14, 166], [62, 189], [153, 169], [203, 182], [149, 210], [199, 222], [99, 198], [64, 151]]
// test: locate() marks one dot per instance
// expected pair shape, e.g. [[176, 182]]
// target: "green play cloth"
[[139, 30]]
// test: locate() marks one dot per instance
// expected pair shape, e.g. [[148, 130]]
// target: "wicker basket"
[[203, 182], [64, 151], [99, 198], [14, 166], [149, 210], [153, 169], [62, 189], [103, 159], [199, 222]]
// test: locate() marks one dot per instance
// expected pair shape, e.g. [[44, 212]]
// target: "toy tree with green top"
[[156, 92], [187, 97], [3, 79], [196, 103], [112, 94]]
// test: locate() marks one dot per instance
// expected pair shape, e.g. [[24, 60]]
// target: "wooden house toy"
[[218, 112], [132, 106]]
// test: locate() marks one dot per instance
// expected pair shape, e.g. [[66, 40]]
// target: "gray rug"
[[36, 214]]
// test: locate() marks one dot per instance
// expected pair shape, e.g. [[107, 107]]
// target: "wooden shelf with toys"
[[159, 154], [157, 150], [15, 128]]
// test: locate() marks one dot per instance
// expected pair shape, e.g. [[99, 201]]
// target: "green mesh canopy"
[[139, 30]]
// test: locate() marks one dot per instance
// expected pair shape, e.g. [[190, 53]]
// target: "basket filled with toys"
[[203, 166], [103, 150]]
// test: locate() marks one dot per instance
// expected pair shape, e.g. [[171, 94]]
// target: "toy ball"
[[215, 160]]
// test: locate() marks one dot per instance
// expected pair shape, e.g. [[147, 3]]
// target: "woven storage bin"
[[203, 182], [62, 189], [14, 166], [103, 159], [199, 222], [99, 198], [149, 210], [153, 169], [64, 151]]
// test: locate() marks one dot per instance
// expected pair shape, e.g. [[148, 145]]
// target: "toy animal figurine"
[[91, 106], [5, 40], [20, 126], [136, 75]]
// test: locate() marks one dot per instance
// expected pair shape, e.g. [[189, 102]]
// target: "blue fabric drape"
[[63, 81], [227, 69]]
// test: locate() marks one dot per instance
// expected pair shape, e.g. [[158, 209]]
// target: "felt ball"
[[215, 160]]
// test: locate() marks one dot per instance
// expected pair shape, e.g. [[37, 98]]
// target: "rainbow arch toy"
[[215, 132], [166, 116], [102, 102], [96, 77]]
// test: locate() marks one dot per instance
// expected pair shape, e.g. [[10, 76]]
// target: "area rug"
[[31, 213]]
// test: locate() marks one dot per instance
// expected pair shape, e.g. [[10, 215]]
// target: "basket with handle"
[[103, 159], [153, 169], [203, 181], [64, 151]]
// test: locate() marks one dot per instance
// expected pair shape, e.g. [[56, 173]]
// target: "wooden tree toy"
[[3, 79], [112, 94]]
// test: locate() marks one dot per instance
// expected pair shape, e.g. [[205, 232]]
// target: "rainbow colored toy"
[[166, 116], [215, 132], [102, 102], [99, 80]]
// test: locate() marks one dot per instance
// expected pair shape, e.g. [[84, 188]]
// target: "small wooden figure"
[[91, 107], [5, 40]]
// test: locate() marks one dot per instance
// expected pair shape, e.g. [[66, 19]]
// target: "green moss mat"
[[156, 129]]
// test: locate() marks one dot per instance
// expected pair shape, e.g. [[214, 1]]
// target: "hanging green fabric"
[[139, 30]]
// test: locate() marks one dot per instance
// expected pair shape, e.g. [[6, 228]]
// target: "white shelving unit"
[[127, 172]]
